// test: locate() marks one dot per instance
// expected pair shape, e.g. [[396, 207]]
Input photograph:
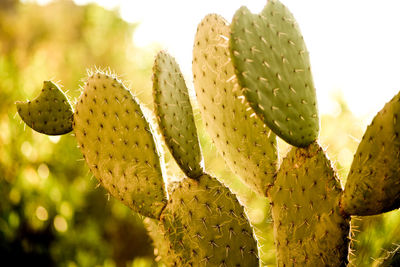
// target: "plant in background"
[[253, 82]]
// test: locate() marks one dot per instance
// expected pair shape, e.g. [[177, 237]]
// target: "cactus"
[[271, 63], [268, 69], [201, 222], [228, 121], [253, 82], [373, 185], [50, 113]]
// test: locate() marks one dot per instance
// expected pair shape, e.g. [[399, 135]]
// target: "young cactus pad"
[[272, 64], [246, 144], [118, 146], [207, 226], [373, 184], [309, 228], [175, 114], [50, 113]]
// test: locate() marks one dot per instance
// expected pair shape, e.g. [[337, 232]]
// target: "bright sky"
[[354, 45]]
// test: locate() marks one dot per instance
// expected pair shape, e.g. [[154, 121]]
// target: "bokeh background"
[[52, 211]]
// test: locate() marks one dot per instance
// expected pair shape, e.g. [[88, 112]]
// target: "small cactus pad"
[[373, 184], [49, 113], [246, 144], [207, 226], [118, 146], [309, 229], [272, 64], [175, 114]]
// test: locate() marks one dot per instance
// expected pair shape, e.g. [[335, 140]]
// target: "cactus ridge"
[[175, 114], [117, 144], [246, 144], [309, 228], [373, 184], [49, 113], [207, 225], [272, 64]]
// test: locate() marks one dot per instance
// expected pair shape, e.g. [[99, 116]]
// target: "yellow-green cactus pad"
[[175, 114], [309, 228], [373, 184], [118, 146], [272, 64], [244, 141], [49, 113], [206, 226]]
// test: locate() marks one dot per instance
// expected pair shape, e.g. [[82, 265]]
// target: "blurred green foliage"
[[51, 212]]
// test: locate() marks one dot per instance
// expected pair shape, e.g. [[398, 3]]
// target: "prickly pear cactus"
[[373, 184], [203, 221], [272, 65], [116, 142], [207, 226], [309, 228], [246, 144], [175, 114], [50, 113], [251, 72]]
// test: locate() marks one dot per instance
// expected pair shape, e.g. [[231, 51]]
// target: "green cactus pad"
[[175, 114], [309, 229], [163, 248], [373, 184], [117, 144], [206, 226], [272, 64], [246, 144], [49, 113]]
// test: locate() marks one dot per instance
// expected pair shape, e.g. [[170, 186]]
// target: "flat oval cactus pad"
[[272, 65], [49, 113]]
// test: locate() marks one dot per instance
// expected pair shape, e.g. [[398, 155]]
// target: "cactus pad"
[[309, 229], [246, 144], [50, 113], [175, 114], [272, 64], [206, 226], [117, 144], [373, 184]]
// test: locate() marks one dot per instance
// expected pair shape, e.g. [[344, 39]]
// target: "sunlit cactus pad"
[[373, 184], [309, 228], [175, 114], [246, 144], [49, 113], [116, 142], [206, 226], [272, 65]]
